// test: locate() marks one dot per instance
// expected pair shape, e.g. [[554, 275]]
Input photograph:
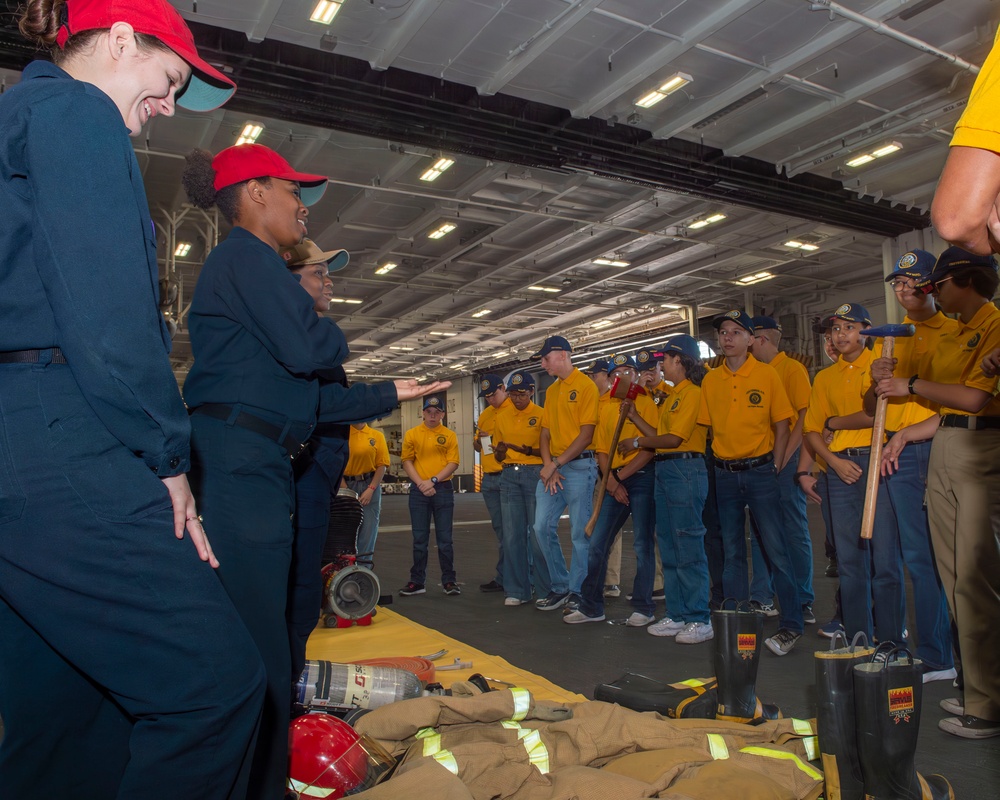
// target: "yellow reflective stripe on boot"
[[314, 791], [522, 702], [717, 746], [538, 753], [447, 760], [763, 751]]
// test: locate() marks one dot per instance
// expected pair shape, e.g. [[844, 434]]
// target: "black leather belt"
[[293, 437], [970, 422], [492, 473], [743, 464], [672, 456], [584, 454], [890, 434], [366, 477], [854, 451], [32, 356]]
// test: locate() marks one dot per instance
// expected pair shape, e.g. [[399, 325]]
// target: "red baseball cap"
[[208, 87], [241, 162]]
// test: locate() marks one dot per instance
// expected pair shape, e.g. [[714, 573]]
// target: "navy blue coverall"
[[125, 670], [260, 350]]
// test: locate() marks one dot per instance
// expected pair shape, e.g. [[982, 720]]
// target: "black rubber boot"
[[887, 701], [739, 635], [835, 721]]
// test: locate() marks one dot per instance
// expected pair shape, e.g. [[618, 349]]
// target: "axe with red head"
[[621, 389]]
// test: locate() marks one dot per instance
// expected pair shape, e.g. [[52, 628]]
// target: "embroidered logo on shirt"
[[572, 396], [371, 442], [755, 398], [442, 440], [677, 402], [973, 341], [532, 422]]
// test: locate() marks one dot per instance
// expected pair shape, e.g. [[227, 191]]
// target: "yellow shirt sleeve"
[[381, 450], [409, 452], [979, 126]]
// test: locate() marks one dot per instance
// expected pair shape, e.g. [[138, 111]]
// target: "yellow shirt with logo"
[[795, 379], [979, 126], [368, 451], [741, 407], [519, 427], [838, 391], [570, 403], [430, 449], [960, 354], [679, 417], [485, 426], [609, 420]]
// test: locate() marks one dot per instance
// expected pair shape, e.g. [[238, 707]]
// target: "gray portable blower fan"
[[350, 591]]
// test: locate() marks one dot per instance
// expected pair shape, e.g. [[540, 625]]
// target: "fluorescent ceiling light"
[[500, 354], [701, 223], [757, 277], [457, 366], [671, 85], [386, 268], [325, 11], [443, 230], [552, 289], [437, 169], [867, 157], [400, 347], [182, 249], [795, 245], [482, 312], [443, 333], [674, 306], [602, 323], [349, 371], [611, 262], [250, 133], [370, 360]]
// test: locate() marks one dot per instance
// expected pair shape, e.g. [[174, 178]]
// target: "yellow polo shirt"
[[609, 420], [960, 355], [570, 403], [913, 356], [741, 407], [679, 416], [430, 449], [979, 126], [368, 451], [519, 427], [838, 391], [795, 379], [486, 426]]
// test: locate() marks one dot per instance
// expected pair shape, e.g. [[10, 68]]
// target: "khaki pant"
[[963, 509]]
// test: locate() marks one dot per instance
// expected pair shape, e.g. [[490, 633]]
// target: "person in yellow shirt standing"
[[568, 470], [430, 456], [491, 388], [630, 493], [746, 406], [517, 436], [366, 466]]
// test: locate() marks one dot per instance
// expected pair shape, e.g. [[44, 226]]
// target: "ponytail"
[[199, 184]]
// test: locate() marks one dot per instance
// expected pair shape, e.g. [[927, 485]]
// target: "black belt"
[[32, 356], [366, 477], [492, 473], [672, 456], [516, 467], [970, 422], [293, 437], [743, 464], [584, 454], [890, 434], [854, 451]]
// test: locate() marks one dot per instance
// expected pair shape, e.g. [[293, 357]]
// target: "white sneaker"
[[666, 627], [638, 620], [941, 675], [576, 617], [695, 633], [514, 601]]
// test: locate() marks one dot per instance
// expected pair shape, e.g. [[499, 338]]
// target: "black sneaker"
[[572, 603], [492, 586], [553, 601], [412, 588], [452, 588], [782, 642], [808, 617], [832, 569]]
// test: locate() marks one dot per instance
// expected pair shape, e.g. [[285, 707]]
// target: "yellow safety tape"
[[811, 744], [423, 733], [432, 745], [447, 760], [538, 754], [522, 702], [763, 751], [802, 727], [717, 746]]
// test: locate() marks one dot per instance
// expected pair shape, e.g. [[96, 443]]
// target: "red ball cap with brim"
[[207, 89], [243, 162]]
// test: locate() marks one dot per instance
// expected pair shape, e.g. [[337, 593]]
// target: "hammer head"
[[624, 389], [881, 331]]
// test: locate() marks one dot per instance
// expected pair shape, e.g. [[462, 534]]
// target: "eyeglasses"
[[943, 280], [899, 284]]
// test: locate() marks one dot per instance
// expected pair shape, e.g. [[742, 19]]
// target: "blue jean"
[[681, 490], [870, 569], [713, 534], [758, 489], [793, 510], [906, 495], [490, 490], [576, 494], [368, 532], [441, 505], [640, 486], [761, 585], [823, 490], [523, 561]]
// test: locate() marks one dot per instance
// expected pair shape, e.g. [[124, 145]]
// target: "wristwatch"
[[434, 480]]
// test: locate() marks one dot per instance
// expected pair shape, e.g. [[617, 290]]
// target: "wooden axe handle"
[[599, 500], [875, 458]]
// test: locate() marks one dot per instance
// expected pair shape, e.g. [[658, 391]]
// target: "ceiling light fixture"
[[500, 354], [457, 366], [443, 333], [611, 262], [602, 323], [400, 347], [386, 268], [757, 277], [437, 169], [796, 245], [482, 313], [442, 230], [672, 306], [871, 155], [672, 84], [250, 132], [701, 223], [552, 289], [325, 11], [183, 248]]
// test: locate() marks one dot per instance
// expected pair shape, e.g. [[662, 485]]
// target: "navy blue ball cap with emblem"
[[684, 345], [622, 360], [954, 259], [489, 383], [822, 326], [520, 380], [737, 315], [433, 402], [766, 324], [851, 312], [647, 358], [552, 344], [600, 365], [916, 264]]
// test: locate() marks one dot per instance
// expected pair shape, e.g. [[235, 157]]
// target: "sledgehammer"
[[889, 334], [624, 390]]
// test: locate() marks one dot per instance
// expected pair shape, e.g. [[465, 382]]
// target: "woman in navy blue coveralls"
[[125, 671], [255, 397]]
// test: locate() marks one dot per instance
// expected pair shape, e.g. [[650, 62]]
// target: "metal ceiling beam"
[[413, 20], [264, 19]]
